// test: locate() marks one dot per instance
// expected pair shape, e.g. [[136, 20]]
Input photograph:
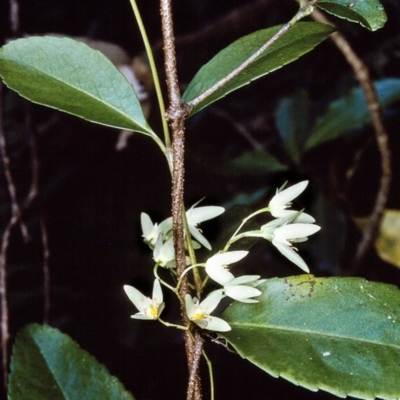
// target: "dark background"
[[91, 195]]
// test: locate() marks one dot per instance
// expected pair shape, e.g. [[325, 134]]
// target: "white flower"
[[217, 265], [152, 231], [148, 308], [194, 217], [199, 313], [285, 235], [197, 215], [241, 288], [282, 200], [164, 253]]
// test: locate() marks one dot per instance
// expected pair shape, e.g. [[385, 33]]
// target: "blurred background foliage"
[[306, 121]]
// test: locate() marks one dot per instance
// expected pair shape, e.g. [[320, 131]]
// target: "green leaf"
[[369, 13], [70, 76], [341, 335], [351, 112], [292, 123], [48, 365], [298, 40], [255, 162]]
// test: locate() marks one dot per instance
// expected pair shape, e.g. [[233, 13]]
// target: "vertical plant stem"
[[4, 245], [176, 115], [32, 195], [154, 73]]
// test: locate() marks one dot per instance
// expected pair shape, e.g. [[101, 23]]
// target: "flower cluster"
[[286, 229]]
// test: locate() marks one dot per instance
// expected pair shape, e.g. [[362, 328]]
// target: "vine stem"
[[176, 115], [363, 76]]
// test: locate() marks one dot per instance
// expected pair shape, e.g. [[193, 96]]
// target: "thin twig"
[[199, 99], [176, 115], [362, 74], [238, 126], [32, 195], [303, 11], [14, 17], [46, 271], [4, 244]]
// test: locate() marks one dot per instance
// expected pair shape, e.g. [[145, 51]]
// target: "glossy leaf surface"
[[351, 112], [48, 365], [369, 13], [341, 335], [70, 76], [298, 40]]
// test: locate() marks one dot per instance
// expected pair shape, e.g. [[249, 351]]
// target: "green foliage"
[[70, 76], [370, 14], [292, 123], [255, 162], [351, 112], [300, 39], [48, 365], [336, 334]]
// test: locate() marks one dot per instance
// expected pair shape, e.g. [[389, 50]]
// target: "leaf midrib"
[[41, 74], [333, 335]]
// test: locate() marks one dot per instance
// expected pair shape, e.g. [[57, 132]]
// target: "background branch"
[[362, 74]]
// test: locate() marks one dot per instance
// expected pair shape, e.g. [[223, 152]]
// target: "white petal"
[[147, 225], [302, 218], [166, 252], [200, 214], [219, 274], [165, 226], [215, 324], [227, 258], [294, 231], [291, 254], [190, 306], [287, 195], [199, 237], [241, 292], [210, 303], [240, 280], [157, 247], [157, 292], [140, 301], [142, 316]]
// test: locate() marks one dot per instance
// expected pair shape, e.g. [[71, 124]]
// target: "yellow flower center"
[[153, 311], [197, 316]]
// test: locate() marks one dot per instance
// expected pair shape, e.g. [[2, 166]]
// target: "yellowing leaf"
[[387, 243]]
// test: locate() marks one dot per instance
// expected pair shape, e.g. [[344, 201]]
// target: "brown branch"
[[32, 195], [176, 116], [362, 74], [238, 126], [170, 57], [198, 348], [15, 212]]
